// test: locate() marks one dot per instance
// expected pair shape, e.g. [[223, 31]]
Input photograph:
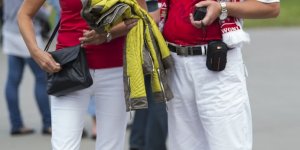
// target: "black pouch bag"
[[75, 74], [216, 55]]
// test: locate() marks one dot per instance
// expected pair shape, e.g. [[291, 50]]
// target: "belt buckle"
[[183, 51]]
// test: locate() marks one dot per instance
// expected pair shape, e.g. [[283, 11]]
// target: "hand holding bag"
[[75, 73]]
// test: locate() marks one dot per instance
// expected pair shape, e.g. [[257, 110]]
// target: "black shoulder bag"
[[75, 73]]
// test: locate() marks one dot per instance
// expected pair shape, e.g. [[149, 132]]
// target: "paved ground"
[[273, 64]]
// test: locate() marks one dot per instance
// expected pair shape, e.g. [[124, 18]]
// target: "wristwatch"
[[224, 12], [108, 37]]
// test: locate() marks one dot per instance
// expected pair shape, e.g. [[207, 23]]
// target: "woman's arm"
[[91, 37], [155, 15], [249, 9], [143, 4], [25, 16], [124, 27]]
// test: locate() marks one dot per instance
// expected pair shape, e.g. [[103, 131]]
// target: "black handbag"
[[75, 74]]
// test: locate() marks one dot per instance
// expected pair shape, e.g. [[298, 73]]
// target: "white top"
[[13, 44]]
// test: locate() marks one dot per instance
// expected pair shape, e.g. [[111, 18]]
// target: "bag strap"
[[52, 36]]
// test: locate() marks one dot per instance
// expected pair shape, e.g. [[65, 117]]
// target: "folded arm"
[[91, 37]]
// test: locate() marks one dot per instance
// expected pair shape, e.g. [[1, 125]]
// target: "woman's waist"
[[104, 59], [68, 39]]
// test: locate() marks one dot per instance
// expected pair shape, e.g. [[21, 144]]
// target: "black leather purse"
[[75, 73]]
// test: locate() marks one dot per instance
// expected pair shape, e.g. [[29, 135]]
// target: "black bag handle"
[[52, 36]]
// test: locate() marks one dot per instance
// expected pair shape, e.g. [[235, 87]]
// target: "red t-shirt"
[[106, 55], [179, 30]]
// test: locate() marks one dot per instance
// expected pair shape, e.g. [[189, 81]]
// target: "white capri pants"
[[210, 110], [68, 113]]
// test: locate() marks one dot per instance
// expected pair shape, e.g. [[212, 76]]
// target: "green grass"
[[289, 16]]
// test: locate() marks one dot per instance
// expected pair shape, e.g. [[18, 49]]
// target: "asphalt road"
[[272, 60]]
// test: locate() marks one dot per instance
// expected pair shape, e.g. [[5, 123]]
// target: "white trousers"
[[210, 110], [68, 113]]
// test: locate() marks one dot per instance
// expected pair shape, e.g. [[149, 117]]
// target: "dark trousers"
[[15, 73], [150, 126]]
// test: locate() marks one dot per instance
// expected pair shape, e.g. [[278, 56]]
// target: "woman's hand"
[[46, 61], [213, 12], [130, 23], [91, 37]]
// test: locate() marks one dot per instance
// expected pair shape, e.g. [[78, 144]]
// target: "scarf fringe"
[[236, 38]]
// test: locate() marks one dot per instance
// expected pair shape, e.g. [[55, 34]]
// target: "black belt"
[[188, 50]]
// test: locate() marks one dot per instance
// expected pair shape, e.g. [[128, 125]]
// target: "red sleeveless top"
[[106, 55]]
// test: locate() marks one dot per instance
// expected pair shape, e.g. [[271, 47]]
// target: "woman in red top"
[[105, 63]]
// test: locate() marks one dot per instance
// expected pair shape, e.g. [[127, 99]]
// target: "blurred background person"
[[1, 18], [92, 113], [55, 5], [18, 56], [150, 126]]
